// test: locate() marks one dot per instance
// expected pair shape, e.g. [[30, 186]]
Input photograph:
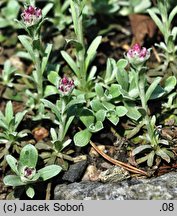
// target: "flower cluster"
[[66, 86], [27, 173], [31, 15], [138, 55]]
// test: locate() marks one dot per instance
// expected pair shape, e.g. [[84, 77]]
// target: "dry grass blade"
[[48, 191], [119, 163]]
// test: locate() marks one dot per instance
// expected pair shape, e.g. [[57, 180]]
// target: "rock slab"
[[160, 188]]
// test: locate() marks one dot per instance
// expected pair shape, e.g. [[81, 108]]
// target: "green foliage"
[[61, 19], [133, 6], [8, 13], [84, 56], [7, 76], [163, 20], [25, 170], [9, 124]]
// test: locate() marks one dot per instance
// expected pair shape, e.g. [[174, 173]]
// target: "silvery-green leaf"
[[13, 180], [70, 62], [150, 159], [163, 155], [53, 77], [121, 111], [30, 192], [50, 90], [170, 84], [152, 87], [9, 112], [140, 148], [91, 52], [29, 156], [49, 172], [12, 163], [46, 57], [82, 138]]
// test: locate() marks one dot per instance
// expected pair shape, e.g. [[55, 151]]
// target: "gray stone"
[[75, 172], [160, 188]]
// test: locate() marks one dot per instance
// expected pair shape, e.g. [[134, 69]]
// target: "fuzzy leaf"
[[18, 118], [122, 75], [68, 123], [9, 112], [99, 90], [114, 90], [53, 107], [46, 9], [114, 119], [170, 84], [70, 62], [49, 172], [74, 102], [163, 155], [157, 93], [87, 117], [100, 115], [25, 40], [150, 159], [53, 77], [96, 105], [133, 112], [82, 138], [29, 156], [53, 134], [121, 111], [172, 14], [169, 153], [12, 163], [46, 57], [152, 87], [96, 127], [91, 52], [13, 180], [30, 192], [50, 90], [142, 159], [140, 148]]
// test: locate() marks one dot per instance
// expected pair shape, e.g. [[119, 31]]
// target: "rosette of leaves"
[[25, 171], [9, 135], [162, 150], [127, 86], [56, 151]]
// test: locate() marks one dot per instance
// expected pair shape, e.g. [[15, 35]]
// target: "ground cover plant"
[[75, 77]]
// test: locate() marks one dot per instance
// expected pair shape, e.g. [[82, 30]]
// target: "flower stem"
[[39, 82], [141, 88], [63, 119], [76, 12]]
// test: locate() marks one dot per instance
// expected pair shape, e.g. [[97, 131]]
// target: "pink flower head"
[[29, 172], [31, 15], [137, 55], [66, 86]]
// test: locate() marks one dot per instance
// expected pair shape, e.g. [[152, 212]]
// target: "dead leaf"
[[142, 26], [40, 133]]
